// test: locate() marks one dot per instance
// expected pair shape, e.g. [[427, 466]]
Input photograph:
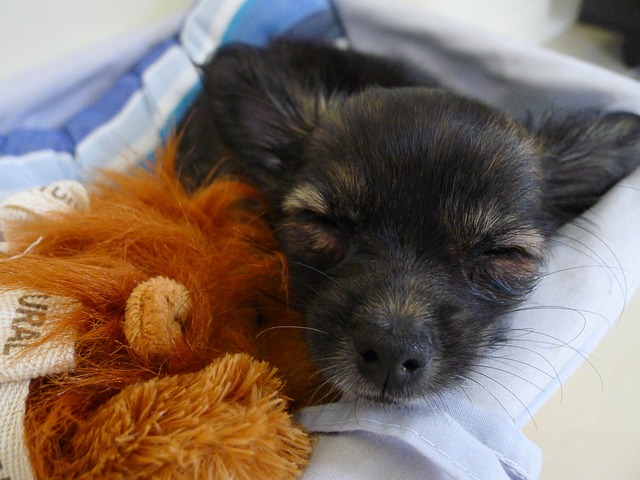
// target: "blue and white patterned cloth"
[[130, 118], [472, 433]]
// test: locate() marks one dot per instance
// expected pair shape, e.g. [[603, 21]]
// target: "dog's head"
[[413, 218]]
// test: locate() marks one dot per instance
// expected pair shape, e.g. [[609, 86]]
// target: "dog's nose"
[[391, 361]]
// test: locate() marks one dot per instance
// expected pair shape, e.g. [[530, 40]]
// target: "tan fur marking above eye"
[[348, 179], [305, 197], [530, 239], [480, 220]]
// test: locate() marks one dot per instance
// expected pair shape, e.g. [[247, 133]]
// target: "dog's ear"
[[262, 111], [584, 154], [264, 102]]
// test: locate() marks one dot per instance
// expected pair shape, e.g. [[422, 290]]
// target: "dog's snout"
[[391, 361]]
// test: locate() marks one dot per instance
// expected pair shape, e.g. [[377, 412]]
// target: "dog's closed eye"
[[317, 241], [312, 233], [504, 273]]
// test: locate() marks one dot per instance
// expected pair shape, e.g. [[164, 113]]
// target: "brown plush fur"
[[198, 412]]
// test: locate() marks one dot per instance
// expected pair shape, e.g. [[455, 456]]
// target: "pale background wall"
[[588, 432], [33, 32]]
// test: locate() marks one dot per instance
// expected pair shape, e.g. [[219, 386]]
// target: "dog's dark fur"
[[413, 218]]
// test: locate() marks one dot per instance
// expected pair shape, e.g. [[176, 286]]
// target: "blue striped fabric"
[[24, 141], [257, 21], [130, 120]]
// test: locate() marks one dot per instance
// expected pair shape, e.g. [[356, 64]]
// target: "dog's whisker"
[[290, 327], [539, 355], [629, 187], [304, 284], [509, 361], [331, 395], [560, 343], [623, 282], [316, 270], [598, 258], [580, 311], [495, 398], [508, 372], [508, 390], [575, 268]]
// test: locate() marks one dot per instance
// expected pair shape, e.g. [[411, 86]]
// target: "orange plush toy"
[[153, 327]]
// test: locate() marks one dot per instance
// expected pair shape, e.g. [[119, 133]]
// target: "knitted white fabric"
[[59, 196], [14, 458], [25, 318]]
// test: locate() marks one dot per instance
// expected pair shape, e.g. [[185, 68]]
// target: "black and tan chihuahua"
[[413, 218]]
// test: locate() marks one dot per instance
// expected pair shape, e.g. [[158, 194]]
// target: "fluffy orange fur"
[[119, 415]]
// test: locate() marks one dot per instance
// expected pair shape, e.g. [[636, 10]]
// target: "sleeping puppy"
[[413, 218]]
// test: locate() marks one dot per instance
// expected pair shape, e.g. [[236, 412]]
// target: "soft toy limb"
[[226, 421]]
